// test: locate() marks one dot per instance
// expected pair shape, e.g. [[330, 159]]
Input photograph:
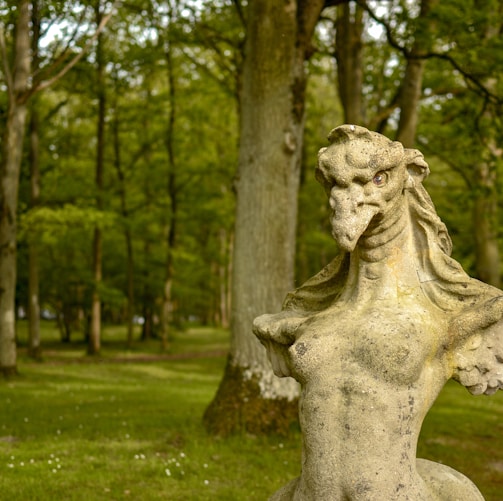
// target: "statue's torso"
[[389, 341], [369, 374]]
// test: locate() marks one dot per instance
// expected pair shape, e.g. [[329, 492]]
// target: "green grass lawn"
[[116, 428]]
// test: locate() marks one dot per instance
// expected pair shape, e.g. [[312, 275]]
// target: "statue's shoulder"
[[321, 290]]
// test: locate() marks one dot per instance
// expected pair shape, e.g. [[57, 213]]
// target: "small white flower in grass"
[[127, 435], [182, 454], [49, 461], [26, 419], [10, 465], [168, 472], [21, 463], [280, 446], [13, 457], [206, 482], [58, 432], [54, 470], [32, 461], [205, 465]]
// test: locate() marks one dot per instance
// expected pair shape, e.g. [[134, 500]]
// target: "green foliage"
[[206, 42]]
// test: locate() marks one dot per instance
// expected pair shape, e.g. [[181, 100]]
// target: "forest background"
[[125, 207]]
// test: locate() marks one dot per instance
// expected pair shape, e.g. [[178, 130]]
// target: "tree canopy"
[[166, 77]]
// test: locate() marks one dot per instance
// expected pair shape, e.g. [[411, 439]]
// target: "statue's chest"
[[386, 342]]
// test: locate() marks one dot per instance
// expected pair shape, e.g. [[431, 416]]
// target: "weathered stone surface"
[[375, 335]]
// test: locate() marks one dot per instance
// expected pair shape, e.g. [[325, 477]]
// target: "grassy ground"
[[125, 427]]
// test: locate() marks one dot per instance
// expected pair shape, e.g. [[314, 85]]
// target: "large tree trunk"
[[94, 345], [250, 397], [12, 148], [349, 56]]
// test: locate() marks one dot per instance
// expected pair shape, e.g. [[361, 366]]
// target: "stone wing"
[[478, 360]]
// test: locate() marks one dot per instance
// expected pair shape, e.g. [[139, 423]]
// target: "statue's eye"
[[379, 179]]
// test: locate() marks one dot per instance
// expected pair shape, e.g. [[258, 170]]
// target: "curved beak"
[[349, 224]]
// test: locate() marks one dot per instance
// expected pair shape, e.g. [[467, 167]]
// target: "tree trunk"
[[170, 231], [349, 56], [485, 222], [17, 83], [485, 207], [411, 89], [95, 331], [225, 247], [34, 346], [127, 232], [250, 397]]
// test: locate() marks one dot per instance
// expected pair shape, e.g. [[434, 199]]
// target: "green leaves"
[[50, 224]]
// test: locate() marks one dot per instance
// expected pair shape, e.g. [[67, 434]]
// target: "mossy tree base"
[[239, 407], [8, 372]]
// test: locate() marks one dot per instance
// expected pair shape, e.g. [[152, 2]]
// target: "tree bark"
[[250, 397], [349, 56], [17, 83]]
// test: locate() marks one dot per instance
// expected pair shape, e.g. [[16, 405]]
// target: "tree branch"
[[47, 83], [430, 55], [239, 10]]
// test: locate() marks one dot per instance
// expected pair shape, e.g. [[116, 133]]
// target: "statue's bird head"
[[365, 176]]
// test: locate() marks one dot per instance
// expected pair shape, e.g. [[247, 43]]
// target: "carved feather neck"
[[382, 266], [382, 236]]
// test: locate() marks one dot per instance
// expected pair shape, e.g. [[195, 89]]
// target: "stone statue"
[[374, 336]]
